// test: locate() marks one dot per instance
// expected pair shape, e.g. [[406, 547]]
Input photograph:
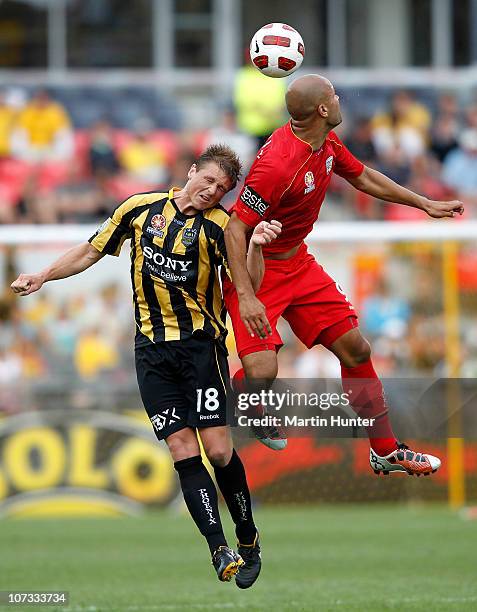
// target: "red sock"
[[238, 380], [366, 396]]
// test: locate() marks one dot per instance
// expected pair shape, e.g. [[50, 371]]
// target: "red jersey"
[[288, 182]]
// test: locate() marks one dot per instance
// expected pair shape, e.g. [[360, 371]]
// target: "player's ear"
[[322, 110], [192, 171]]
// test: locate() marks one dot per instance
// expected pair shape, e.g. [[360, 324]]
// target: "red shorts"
[[300, 291]]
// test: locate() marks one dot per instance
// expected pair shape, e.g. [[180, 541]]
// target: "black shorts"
[[183, 383]]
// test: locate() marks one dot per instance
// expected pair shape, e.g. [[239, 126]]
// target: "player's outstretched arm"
[[380, 186], [263, 234], [252, 311], [73, 262]]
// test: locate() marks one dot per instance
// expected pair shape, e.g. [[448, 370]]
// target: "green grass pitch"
[[314, 559]]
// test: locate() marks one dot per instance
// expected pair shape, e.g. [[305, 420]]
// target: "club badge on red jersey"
[[309, 182]]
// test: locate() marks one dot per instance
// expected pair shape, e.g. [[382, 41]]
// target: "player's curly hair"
[[227, 160]]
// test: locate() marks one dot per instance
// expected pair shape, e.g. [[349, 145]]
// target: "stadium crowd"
[[53, 172]]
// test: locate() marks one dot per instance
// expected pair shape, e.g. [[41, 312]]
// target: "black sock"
[[200, 496], [233, 485]]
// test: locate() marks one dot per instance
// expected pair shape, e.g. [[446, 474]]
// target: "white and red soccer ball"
[[277, 50]]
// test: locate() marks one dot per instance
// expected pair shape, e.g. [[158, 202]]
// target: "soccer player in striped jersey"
[[177, 248]]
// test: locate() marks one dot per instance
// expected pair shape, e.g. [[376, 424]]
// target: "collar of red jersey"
[[308, 145]]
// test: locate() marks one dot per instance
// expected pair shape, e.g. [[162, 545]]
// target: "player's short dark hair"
[[227, 160]]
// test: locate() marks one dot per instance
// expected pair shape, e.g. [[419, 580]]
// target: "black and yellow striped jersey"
[[175, 260]]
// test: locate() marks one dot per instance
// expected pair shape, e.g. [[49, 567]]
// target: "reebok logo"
[[254, 200], [208, 508]]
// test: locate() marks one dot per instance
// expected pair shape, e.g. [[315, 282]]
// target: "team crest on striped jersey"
[[329, 164], [157, 224], [188, 236]]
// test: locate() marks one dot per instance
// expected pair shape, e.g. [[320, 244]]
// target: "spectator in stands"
[[427, 301], [94, 354], [96, 312], [403, 130], [470, 117], [444, 133], [460, 167], [445, 126], [395, 165], [181, 166], [9, 195], [426, 178], [81, 193], [74, 199], [360, 141], [41, 312], [8, 116], [10, 367], [8, 208], [10, 380], [259, 102], [63, 333], [43, 132], [102, 156], [142, 158], [113, 300], [426, 341], [33, 364], [384, 309], [228, 133], [448, 106]]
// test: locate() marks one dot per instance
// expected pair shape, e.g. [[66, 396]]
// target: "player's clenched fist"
[[27, 283], [438, 210], [265, 232]]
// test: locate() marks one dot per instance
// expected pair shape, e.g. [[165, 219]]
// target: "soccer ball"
[[277, 50]]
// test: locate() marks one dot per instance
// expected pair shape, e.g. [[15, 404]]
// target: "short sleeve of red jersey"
[[346, 164], [261, 192]]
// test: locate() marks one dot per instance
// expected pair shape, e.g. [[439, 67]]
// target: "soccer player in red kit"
[[288, 181]]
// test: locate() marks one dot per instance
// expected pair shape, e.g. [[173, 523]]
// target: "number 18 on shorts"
[[183, 384]]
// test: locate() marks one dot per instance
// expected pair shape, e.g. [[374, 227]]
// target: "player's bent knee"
[[183, 444], [219, 456], [364, 353], [353, 350], [361, 351], [262, 365]]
